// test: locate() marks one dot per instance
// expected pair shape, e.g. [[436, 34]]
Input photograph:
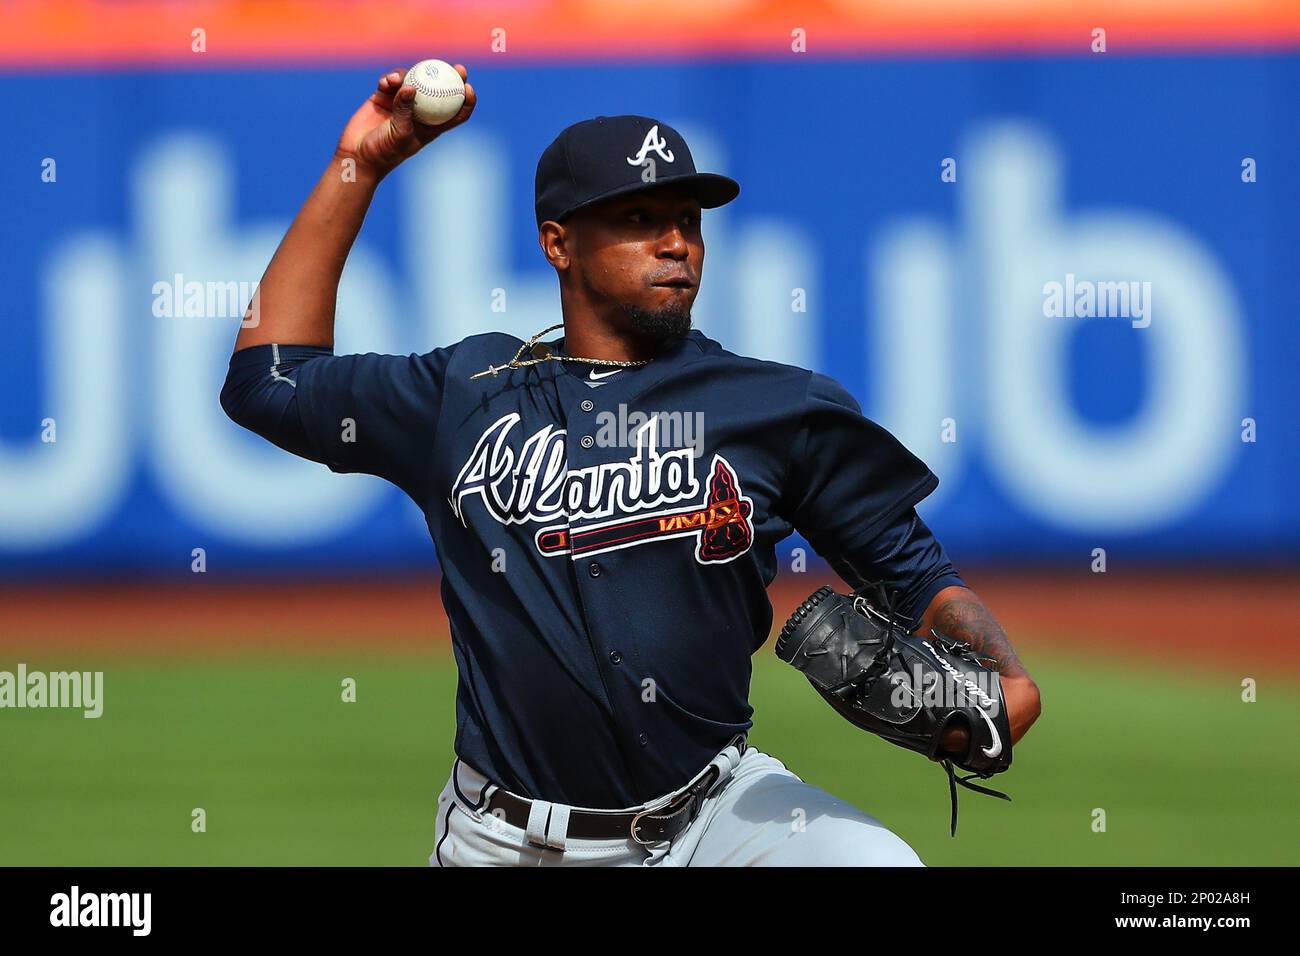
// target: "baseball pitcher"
[[606, 505]]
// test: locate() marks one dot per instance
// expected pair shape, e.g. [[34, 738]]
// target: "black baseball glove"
[[905, 688]]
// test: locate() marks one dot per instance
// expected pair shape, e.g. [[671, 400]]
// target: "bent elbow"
[[232, 401]]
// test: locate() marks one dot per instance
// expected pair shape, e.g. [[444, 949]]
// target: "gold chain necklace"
[[551, 356]]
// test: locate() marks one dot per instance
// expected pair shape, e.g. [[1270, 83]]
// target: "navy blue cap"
[[612, 155]]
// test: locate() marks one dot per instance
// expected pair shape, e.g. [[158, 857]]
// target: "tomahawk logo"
[[653, 142], [721, 525], [652, 495]]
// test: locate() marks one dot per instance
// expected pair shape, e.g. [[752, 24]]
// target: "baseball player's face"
[[643, 256]]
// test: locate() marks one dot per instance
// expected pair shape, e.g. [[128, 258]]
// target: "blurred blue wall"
[[1051, 435]]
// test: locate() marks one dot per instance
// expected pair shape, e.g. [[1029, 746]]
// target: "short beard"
[[659, 327]]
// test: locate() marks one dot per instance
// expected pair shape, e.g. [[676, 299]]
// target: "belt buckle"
[[683, 801], [650, 811], [636, 823], [691, 800], [694, 795]]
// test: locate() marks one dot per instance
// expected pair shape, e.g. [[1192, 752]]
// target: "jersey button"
[[587, 405], [642, 739], [615, 657], [593, 569], [587, 441]]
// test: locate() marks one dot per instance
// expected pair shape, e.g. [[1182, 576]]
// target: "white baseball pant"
[[758, 813]]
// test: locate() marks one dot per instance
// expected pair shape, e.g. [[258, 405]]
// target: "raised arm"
[[295, 300]]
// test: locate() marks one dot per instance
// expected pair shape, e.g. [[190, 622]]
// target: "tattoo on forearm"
[[966, 619]]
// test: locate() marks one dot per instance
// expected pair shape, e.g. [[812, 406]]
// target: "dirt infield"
[[1204, 616]]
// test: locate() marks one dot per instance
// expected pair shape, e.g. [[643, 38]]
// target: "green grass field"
[[289, 774]]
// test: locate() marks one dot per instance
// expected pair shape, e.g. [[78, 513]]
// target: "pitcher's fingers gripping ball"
[[439, 91]]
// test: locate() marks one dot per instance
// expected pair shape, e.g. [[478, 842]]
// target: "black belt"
[[664, 823]]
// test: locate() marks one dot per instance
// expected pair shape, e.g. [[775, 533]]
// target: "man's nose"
[[672, 244]]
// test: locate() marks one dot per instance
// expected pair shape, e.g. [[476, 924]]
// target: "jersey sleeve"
[[848, 477], [908, 559], [374, 414], [260, 393]]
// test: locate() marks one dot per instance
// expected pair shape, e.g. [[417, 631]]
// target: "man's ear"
[[556, 241]]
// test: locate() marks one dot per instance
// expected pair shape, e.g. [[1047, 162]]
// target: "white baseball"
[[440, 92]]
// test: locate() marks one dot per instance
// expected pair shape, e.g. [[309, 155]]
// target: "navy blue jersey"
[[606, 537]]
